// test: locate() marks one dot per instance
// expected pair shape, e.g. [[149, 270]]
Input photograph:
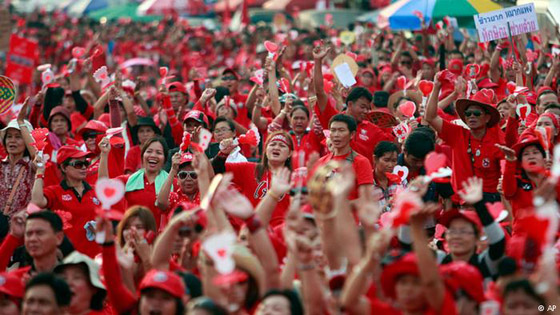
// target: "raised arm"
[[26, 133], [105, 147], [162, 201], [319, 54], [273, 95], [37, 195], [431, 115]]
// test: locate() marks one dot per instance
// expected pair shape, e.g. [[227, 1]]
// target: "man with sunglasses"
[[73, 196], [474, 150], [230, 80]]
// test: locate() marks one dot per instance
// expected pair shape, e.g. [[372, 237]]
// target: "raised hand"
[[472, 190], [17, 224], [281, 182], [176, 161], [23, 111], [234, 203], [319, 52], [207, 95], [508, 152], [104, 146], [343, 184]]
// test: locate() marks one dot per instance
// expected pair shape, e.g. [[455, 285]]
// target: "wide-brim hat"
[[148, 122], [524, 142], [77, 258], [483, 99]]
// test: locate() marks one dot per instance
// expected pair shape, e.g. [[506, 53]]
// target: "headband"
[[281, 138]]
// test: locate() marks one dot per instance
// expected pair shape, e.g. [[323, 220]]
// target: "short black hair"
[[357, 93], [54, 220], [552, 106], [222, 119], [418, 144], [384, 147], [525, 286], [221, 92], [59, 287], [296, 307], [380, 98], [347, 119]]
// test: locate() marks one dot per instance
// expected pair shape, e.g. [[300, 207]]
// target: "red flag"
[[245, 13]]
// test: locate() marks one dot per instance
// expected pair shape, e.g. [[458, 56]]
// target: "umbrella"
[[162, 7], [400, 15], [137, 62], [128, 10], [82, 7], [369, 17]]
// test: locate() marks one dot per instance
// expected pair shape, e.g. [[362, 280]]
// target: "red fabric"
[[368, 135], [82, 211], [7, 249], [115, 165], [120, 298], [309, 143], [244, 178], [486, 166], [240, 101], [133, 160], [362, 169], [448, 307]]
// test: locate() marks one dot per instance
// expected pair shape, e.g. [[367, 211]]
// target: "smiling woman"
[[143, 186]]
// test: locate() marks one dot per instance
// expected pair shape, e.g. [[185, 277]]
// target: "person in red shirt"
[[73, 195], [143, 186], [474, 150], [230, 80], [343, 129], [181, 166], [358, 105], [254, 180]]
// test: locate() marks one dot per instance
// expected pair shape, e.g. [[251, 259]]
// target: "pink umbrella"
[[137, 62]]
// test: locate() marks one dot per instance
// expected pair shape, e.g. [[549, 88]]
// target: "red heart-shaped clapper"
[[40, 135], [511, 87], [186, 141], [270, 47], [473, 70], [78, 52], [248, 138], [285, 85], [523, 111], [434, 161], [408, 108], [400, 173], [536, 38], [163, 72], [109, 192], [488, 94], [401, 82], [426, 87], [221, 252]]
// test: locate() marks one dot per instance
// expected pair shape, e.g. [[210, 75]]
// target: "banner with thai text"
[[494, 25]]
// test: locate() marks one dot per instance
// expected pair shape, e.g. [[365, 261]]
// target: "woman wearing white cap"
[[16, 170], [82, 275]]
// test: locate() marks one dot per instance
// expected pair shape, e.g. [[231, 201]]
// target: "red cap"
[[196, 115], [69, 152], [186, 158], [11, 285], [230, 70], [453, 214], [542, 89], [163, 280], [177, 87], [94, 125], [407, 264], [460, 275], [524, 141]]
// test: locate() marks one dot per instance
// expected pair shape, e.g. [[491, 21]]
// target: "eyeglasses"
[[459, 232], [229, 78], [476, 113], [79, 164], [184, 174]]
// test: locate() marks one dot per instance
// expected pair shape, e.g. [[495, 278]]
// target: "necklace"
[[477, 153]]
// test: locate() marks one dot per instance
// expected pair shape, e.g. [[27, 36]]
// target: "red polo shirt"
[[65, 198], [144, 197], [362, 169], [240, 101], [486, 164], [368, 135], [244, 179]]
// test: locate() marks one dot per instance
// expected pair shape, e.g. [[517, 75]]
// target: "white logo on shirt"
[[66, 197]]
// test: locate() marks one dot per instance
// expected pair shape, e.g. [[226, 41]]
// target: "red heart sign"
[[78, 52], [426, 87], [401, 82], [511, 87], [270, 47], [488, 94], [434, 161], [221, 252], [109, 191], [163, 71], [523, 112], [408, 108]]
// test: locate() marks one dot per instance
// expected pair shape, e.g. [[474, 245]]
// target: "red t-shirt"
[[309, 143], [133, 160], [62, 197], [362, 169], [240, 101], [244, 178], [368, 135], [144, 197], [484, 152]]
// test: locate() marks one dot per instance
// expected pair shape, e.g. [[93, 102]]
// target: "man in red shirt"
[[474, 150], [230, 80], [343, 129], [358, 102]]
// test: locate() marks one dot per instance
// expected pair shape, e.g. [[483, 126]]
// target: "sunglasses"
[[476, 113], [229, 78], [184, 174], [79, 164], [88, 135]]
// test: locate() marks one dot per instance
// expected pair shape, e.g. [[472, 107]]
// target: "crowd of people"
[[256, 181]]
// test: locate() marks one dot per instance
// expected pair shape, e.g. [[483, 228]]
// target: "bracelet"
[[305, 267], [273, 195], [40, 176], [253, 224]]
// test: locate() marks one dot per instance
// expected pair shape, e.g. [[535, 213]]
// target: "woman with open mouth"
[[254, 179], [525, 171], [143, 186]]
